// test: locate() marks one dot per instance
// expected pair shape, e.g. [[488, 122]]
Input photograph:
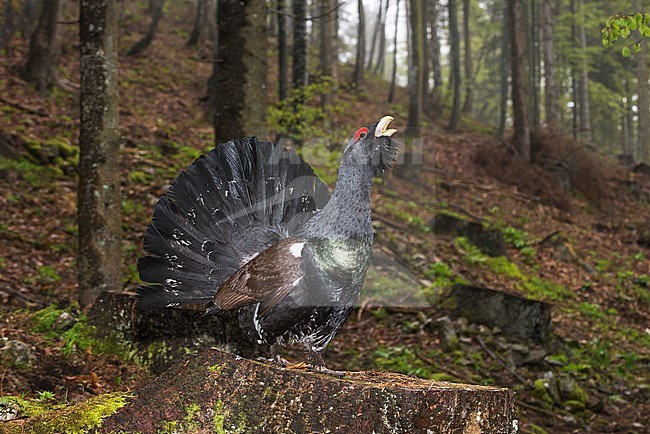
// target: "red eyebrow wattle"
[[360, 131]]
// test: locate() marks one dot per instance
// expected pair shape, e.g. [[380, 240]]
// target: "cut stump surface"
[[219, 392]]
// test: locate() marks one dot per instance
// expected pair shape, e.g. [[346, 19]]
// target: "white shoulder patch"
[[296, 249]]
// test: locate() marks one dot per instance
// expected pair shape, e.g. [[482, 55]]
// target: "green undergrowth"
[[34, 174], [533, 286], [302, 117], [79, 336], [38, 416], [405, 361], [404, 212]]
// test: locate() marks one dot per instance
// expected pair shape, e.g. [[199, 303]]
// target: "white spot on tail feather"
[[296, 249]]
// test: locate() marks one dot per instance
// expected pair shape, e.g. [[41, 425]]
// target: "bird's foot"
[[322, 369], [276, 360]]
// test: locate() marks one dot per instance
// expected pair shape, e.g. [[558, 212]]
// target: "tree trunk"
[[375, 35], [240, 103], [99, 258], [220, 392], [533, 59], [436, 93], [213, 88], [416, 79], [283, 52], [457, 80], [273, 18], [44, 49], [629, 119], [504, 69], [469, 85], [199, 21], [381, 51], [517, 44], [643, 101], [410, 167], [327, 60], [156, 16], [299, 9], [27, 17], [391, 92], [583, 86], [8, 28], [361, 47], [551, 96]]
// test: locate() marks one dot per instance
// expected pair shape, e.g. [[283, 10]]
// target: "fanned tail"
[[228, 206]]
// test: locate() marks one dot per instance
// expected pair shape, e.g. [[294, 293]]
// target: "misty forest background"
[[525, 169]]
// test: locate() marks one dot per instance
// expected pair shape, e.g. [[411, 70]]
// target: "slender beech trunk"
[[643, 101], [518, 62], [99, 257], [156, 16], [283, 52], [213, 88], [361, 47], [436, 92], [381, 53], [551, 96], [44, 49], [469, 85], [327, 48], [391, 92], [410, 170], [8, 28], [533, 62], [375, 35], [199, 20], [299, 77], [504, 69], [455, 65], [583, 86]]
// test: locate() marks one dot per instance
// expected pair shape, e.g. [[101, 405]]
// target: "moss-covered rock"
[[37, 418]]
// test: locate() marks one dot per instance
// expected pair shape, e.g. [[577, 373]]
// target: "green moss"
[[140, 177], [188, 424], [47, 274], [443, 376], [81, 336], [73, 419], [225, 423], [34, 174], [545, 289], [540, 391], [215, 369], [402, 212]]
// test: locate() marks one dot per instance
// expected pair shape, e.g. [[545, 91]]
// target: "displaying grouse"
[[250, 226]]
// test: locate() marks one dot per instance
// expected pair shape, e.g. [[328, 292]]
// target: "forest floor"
[[592, 376]]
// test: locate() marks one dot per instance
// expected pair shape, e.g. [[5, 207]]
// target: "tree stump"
[[220, 392]]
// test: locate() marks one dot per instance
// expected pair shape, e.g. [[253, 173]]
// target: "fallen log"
[[219, 392]]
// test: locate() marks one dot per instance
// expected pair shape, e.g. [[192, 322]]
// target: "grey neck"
[[347, 214]]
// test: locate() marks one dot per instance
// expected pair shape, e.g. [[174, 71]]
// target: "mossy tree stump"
[[223, 393]]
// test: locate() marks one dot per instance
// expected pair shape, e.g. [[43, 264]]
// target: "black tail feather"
[[229, 205]]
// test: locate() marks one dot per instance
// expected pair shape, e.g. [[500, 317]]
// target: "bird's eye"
[[361, 133]]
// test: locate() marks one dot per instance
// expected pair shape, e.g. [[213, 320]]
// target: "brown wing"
[[266, 279]]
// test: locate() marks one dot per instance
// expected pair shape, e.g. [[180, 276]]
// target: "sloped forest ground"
[[586, 257]]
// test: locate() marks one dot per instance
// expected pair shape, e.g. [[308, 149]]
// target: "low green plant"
[[301, 116], [515, 237], [441, 274], [47, 274]]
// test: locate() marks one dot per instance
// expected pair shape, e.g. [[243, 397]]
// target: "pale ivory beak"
[[381, 130]]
